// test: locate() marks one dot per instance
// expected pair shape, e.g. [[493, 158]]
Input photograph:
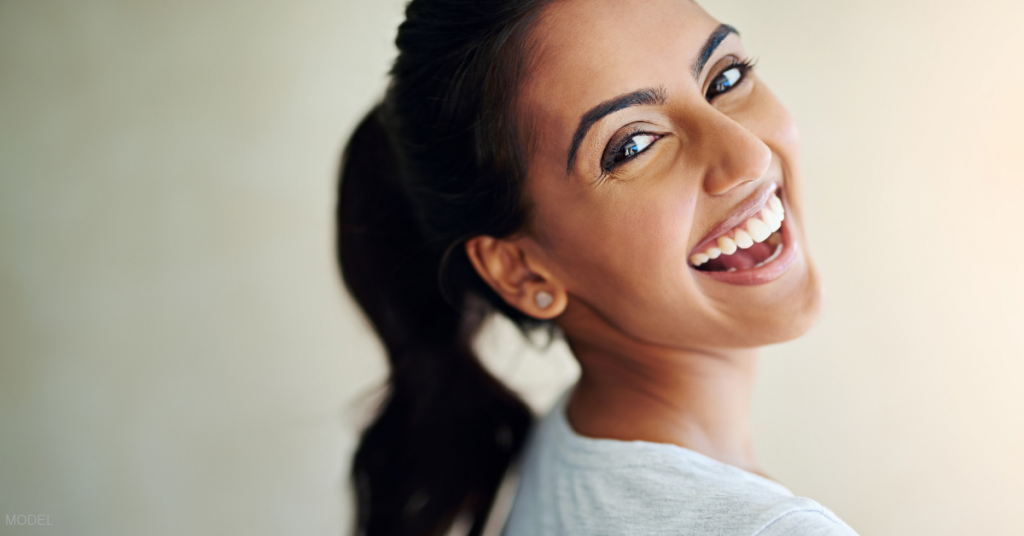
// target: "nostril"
[[719, 183]]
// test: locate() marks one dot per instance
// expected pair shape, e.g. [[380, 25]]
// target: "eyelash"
[[607, 161], [744, 66]]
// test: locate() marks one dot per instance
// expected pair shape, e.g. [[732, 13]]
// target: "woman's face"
[[652, 145]]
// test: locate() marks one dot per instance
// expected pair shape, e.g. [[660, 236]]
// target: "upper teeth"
[[756, 229]]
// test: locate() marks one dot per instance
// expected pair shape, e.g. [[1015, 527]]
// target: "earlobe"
[[548, 304], [523, 282]]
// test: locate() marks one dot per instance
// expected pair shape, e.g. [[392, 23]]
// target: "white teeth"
[[727, 245], [758, 230], [755, 230], [771, 219], [776, 206], [743, 240]]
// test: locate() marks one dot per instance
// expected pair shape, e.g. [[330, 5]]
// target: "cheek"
[[625, 245], [770, 121]]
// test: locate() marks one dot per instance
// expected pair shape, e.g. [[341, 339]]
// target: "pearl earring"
[[544, 299]]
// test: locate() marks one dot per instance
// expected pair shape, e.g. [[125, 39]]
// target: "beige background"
[[177, 355]]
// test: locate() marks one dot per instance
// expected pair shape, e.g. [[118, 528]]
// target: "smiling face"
[[655, 152]]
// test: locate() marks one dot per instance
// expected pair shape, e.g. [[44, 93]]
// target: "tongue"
[[744, 258]]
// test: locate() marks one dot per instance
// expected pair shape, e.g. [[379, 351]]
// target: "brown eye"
[[628, 148], [727, 80]]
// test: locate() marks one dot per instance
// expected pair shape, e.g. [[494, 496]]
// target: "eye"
[[728, 79], [626, 148]]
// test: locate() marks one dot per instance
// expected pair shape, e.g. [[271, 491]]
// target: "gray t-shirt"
[[574, 485]]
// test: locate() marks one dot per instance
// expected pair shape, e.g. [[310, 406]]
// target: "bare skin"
[[668, 350]]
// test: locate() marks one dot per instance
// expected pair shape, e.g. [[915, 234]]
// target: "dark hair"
[[440, 160]]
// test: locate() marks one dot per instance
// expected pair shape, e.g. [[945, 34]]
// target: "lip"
[[764, 274], [751, 206]]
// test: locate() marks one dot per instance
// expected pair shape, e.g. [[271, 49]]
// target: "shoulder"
[[814, 521], [572, 485], [635, 488]]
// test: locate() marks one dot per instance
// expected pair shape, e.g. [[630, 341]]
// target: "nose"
[[733, 154]]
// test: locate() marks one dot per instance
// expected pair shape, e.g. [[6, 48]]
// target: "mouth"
[[750, 247]]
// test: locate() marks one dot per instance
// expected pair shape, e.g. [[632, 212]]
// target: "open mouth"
[[757, 240]]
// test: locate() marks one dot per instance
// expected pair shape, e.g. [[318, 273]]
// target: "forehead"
[[588, 51]]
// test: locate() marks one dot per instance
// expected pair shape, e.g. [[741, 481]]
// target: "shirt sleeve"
[[806, 523]]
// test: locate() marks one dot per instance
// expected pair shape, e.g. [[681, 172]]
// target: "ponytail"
[[438, 162], [448, 429]]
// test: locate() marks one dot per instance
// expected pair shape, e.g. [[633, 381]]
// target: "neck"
[[699, 400]]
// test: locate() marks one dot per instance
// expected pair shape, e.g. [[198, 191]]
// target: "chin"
[[798, 310], [806, 308], [776, 312]]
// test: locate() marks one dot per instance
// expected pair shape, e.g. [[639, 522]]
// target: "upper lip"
[[750, 207]]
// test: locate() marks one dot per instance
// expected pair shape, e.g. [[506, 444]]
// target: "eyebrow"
[[710, 46], [642, 97]]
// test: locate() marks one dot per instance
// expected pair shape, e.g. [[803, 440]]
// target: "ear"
[[520, 279]]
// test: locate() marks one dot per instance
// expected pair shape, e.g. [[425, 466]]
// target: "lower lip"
[[762, 274]]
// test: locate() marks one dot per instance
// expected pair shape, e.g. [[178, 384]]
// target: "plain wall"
[[177, 355]]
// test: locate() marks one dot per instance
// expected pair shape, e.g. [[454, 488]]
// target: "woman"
[[614, 169]]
